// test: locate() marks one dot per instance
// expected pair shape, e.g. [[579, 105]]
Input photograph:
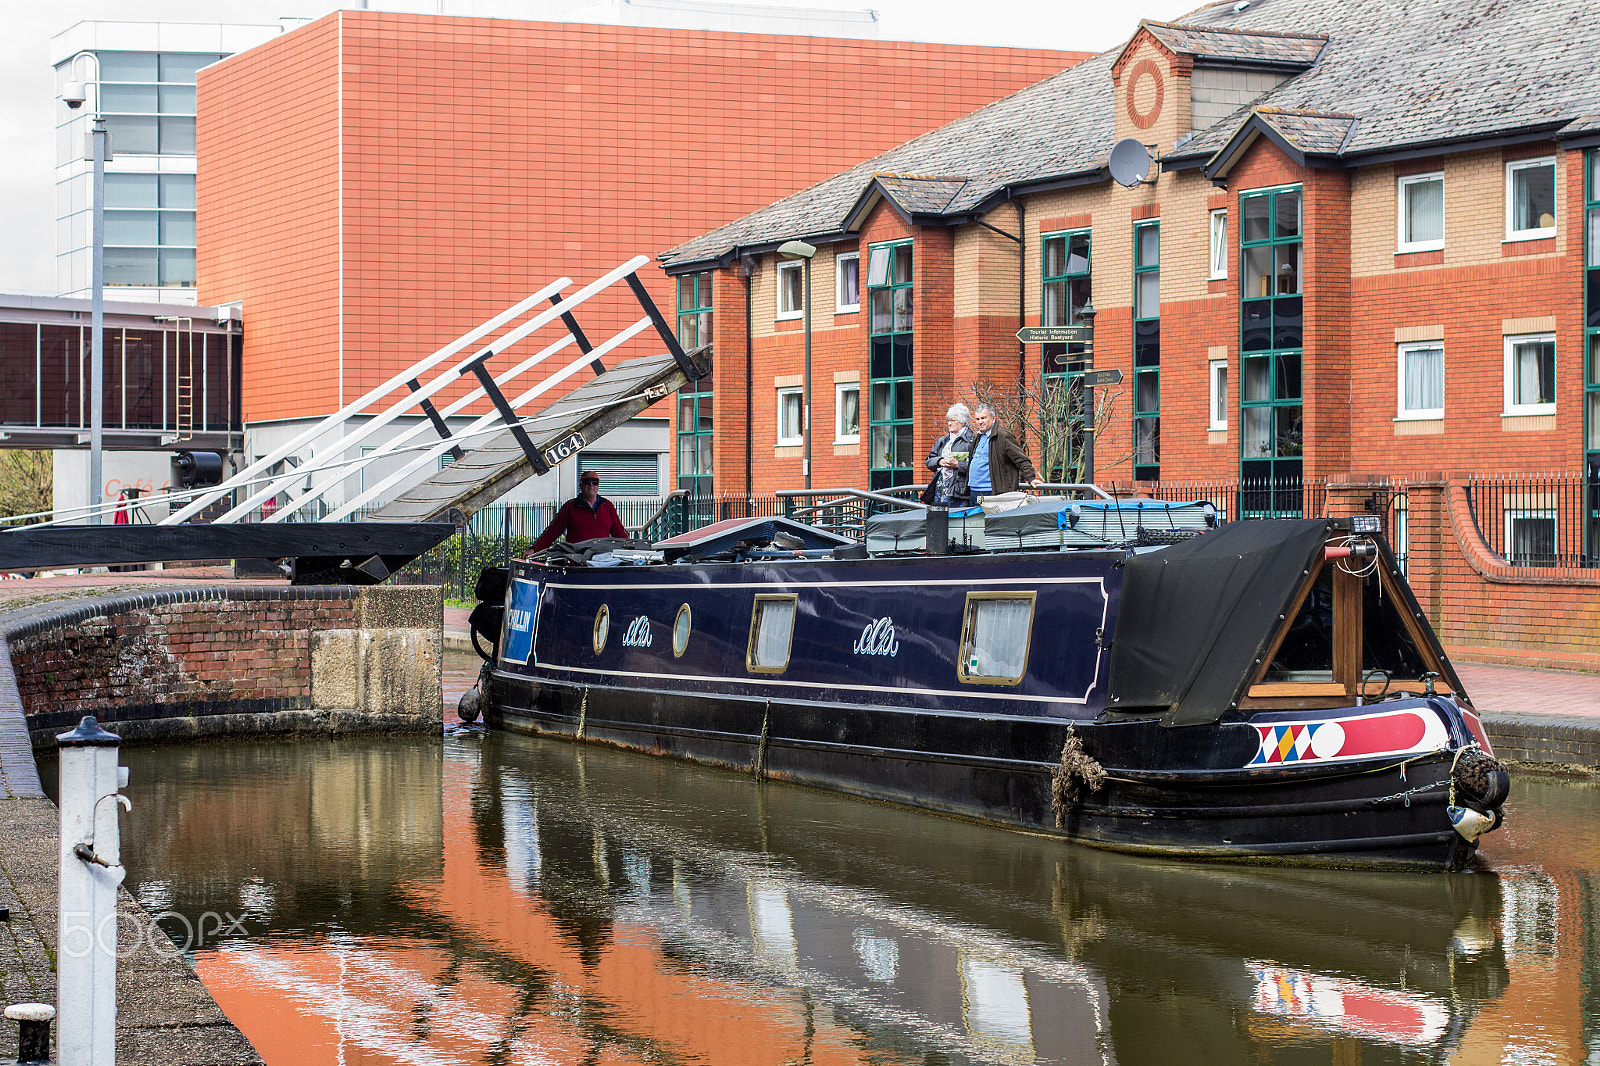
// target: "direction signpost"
[[1081, 333], [1077, 333], [1094, 379]]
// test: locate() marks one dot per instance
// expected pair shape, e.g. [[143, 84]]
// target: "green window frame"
[[1591, 353], [694, 405], [1147, 351], [695, 436], [893, 444], [1271, 346], [1066, 287], [694, 309]]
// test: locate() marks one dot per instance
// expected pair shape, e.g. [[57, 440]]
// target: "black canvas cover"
[[1196, 617]]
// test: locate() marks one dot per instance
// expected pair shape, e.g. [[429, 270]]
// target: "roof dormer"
[[1174, 79]]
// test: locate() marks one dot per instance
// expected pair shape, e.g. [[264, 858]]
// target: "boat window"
[[771, 634], [995, 637], [602, 628], [1306, 653], [680, 631]]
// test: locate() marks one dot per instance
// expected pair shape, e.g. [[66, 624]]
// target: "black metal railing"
[[1536, 519], [1526, 519]]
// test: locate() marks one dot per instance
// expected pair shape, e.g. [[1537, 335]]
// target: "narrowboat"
[[1128, 674]]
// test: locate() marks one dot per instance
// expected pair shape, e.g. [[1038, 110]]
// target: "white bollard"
[[91, 871]]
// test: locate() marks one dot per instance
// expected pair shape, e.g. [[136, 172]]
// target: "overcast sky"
[[28, 107]]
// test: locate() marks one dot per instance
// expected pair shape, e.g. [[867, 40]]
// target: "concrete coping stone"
[[30, 1012]]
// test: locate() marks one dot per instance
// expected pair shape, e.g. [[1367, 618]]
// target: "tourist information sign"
[[1077, 333]]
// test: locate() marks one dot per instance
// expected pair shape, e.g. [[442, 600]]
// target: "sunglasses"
[[589, 482]]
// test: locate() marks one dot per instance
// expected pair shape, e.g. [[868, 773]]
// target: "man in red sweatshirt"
[[584, 517]]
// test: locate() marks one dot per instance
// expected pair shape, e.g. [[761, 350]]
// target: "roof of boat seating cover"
[[1196, 617]]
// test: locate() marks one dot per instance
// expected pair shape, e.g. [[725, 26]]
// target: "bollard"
[[91, 871], [33, 1031]]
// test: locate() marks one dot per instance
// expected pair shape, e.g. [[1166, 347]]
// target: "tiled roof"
[[918, 195], [1310, 131], [1391, 75], [1254, 47]]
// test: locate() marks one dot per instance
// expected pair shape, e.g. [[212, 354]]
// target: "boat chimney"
[[938, 540]]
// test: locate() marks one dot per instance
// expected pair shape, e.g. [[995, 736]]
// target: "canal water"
[[485, 898]]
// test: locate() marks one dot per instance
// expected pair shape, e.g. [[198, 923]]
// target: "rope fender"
[[1077, 776]]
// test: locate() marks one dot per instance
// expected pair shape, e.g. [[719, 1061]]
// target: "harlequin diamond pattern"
[[1286, 743]]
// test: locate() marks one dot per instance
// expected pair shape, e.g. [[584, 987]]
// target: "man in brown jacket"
[[998, 464]]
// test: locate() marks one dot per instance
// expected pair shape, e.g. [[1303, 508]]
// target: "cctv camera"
[[72, 93]]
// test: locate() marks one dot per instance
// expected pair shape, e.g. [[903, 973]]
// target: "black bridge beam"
[[668, 337], [438, 423], [480, 367], [576, 330]]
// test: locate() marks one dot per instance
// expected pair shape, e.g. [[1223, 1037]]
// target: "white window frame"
[[1402, 412], [1529, 164], [1219, 244], [1513, 515], [783, 290], [799, 396], [840, 306], [1402, 187], [1217, 376], [1511, 342], [839, 434]]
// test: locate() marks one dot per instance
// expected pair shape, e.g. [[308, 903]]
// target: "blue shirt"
[[978, 469]]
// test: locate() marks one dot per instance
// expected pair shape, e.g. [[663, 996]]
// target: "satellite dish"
[[1130, 162]]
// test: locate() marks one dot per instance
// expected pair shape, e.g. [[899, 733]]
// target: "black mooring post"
[[33, 1030], [577, 334], [438, 423], [480, 367], [668, 337]]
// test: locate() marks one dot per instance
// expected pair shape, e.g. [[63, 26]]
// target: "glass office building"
[[142, 79]]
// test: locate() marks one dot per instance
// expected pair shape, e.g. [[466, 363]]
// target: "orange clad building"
[[372, 185]]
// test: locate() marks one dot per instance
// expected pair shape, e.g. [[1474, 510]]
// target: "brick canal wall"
[[231, 661]]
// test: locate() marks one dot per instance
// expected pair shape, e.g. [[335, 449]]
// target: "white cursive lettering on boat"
[[638, 635], [877, 638], [520, 620]]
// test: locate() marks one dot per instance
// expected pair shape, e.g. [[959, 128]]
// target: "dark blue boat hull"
[[859, 725]]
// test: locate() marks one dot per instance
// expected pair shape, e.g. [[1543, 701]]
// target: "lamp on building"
[[73, 94], [803, 251], [1086, 315]]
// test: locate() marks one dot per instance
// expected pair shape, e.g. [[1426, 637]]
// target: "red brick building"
[[372, 185], [1359, 254]]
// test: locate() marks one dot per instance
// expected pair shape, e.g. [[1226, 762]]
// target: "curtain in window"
[[1533, 365], [774, 627], [1424, 211], [999, 642], [1425, 379]]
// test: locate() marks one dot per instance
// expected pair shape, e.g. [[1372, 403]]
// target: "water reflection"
[[498, 899]]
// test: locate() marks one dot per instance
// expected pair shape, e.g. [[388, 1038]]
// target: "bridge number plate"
[[564, 450]]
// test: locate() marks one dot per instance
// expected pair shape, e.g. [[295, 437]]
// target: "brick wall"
[[226, 660], [375, 184], [1482, 608]]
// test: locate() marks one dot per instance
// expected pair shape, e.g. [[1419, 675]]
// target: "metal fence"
[[1538, 519], [1528, 520], [1282, 497]]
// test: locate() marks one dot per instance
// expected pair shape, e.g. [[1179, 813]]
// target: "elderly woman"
[[948, 460]]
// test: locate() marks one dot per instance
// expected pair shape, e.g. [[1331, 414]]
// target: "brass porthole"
[[602, 628], [680, 631]]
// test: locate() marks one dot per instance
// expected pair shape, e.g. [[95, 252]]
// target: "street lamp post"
[[803, 251], [74, 96]]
